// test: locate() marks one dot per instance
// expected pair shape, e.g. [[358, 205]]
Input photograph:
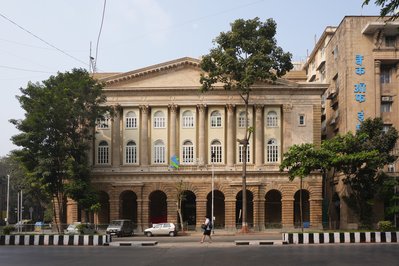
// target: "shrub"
[[8, 229], [385, 226]]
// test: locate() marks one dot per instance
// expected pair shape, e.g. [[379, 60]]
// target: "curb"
[[54, 240], [326, 238], [260, 242], [133, 243]]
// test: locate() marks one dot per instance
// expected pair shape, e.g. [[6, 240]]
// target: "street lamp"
[[8, 200], [213, 193]]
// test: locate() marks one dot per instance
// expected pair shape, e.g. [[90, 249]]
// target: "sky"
[[40, 38]]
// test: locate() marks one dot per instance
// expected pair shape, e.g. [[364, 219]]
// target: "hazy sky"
[[136, 34]]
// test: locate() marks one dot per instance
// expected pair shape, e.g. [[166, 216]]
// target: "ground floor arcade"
[[272, 202]]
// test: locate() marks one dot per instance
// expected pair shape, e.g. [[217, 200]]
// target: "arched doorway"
[[189, 209], [273, 209], [103, 214], [250, 209], [128, 206], [305, 208], [218, 208], [158, 209]]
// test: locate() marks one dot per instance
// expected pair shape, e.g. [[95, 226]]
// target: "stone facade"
[[163, 115]]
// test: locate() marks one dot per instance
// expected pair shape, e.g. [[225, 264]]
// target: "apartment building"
[[359, 60]]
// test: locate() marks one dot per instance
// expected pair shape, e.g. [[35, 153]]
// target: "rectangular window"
[[390, 41], [131, 154], [241, 153], [301, 120], [216, 153], [131, 122], [385, 76], [159, 154], [159, 122], [103, 123], [391, 168], [386, 107], [188, 154], [102, 156], [216, 121], [188, 121]]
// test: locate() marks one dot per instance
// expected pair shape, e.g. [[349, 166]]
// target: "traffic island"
[[341, 237]]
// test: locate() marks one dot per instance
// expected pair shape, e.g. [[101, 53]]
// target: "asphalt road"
[[193, 254]]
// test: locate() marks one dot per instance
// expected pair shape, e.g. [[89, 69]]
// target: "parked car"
[[120, 228], [161, 229], [78, 228]]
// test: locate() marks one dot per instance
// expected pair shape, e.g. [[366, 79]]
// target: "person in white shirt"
[[207, 227]]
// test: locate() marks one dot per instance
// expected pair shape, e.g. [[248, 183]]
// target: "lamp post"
[[213, 193], [8, 200]]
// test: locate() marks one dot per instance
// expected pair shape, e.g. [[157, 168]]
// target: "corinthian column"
[[144, 135], [116, 140], [258, 136], [230, 138], [287, 126], [173, 115], [201, 133]]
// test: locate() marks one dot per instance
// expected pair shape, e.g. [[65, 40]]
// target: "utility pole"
[[8, 200]]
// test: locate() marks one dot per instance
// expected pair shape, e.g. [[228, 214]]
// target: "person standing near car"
[[207, 227]]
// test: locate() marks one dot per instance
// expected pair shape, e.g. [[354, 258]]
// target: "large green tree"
[[359, 158], [246, 54], [56, 135], [388, 7]]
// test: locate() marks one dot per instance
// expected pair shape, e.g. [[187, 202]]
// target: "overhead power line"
[[99, 34], [37, 37], [27, 70]]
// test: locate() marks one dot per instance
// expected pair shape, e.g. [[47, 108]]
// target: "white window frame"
[[216, 119], [301, 120], [131, 153], [391, 168], [103, 153], [188, 152], [159, 120], [241, 120], [159, 152], [241, 151], [272, 119], [385, 75], [386, 107], [131, 120], [272, 151], [216, 149], [103, 123], [188, 119]]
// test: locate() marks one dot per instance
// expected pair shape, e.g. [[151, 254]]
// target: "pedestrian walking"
[[207, 227]]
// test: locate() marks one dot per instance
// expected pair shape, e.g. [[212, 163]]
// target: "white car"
[[161, 229], [74, 228]]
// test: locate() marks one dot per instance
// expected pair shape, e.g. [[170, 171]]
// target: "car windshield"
[[116, 223]]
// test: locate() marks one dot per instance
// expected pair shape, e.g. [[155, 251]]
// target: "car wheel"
[[148, 234], [172, 233]]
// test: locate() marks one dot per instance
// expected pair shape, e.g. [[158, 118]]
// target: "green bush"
[[8, 229], [385, 226]]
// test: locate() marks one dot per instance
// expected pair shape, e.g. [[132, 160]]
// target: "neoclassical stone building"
[[163, 116]]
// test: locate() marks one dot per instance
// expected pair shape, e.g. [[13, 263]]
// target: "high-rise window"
[[188, 119], [386, 107], [103, 153], [188, 152], [131, 152], [272, 119], [159, 120], [131, 120], [241, 153], [390, 41], [385, 75], [216, 152], [272, 151], [159, 152], [216, 119]]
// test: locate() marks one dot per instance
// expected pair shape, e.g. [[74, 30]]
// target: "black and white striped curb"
[[54, 240], [259, 242], [133, 243], [356, 237]]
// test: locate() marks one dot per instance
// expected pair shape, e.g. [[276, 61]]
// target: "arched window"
[[216, 152], [103, 153], [272, 151], [216, 119], [241, 120], [131, 152], [159, 120], [159, 152], [272, 119], [188, 152], [188, 119], [131, 120]]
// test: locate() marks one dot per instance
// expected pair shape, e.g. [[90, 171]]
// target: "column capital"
[[201, 107], [377, 64], [258, 108], [144, 109], [173, 107], [230, 107]]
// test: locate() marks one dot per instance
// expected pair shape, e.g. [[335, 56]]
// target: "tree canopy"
[[388, 8], [359, 158], [56, 133]]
